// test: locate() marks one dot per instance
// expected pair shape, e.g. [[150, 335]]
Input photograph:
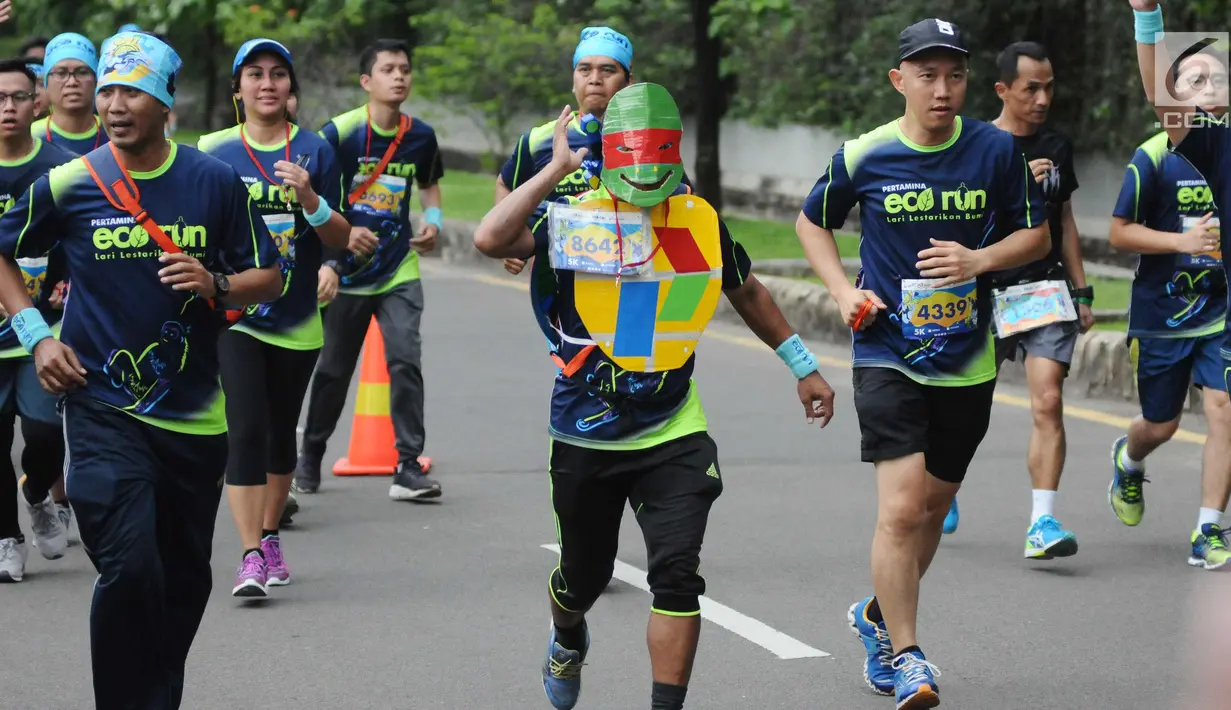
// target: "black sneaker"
[[411, 483], [292, 507], [307, 474]]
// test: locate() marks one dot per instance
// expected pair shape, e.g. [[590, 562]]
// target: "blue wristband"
[[321, 215], [1148, 25], [30, 328], [433, 216], [798, 357]]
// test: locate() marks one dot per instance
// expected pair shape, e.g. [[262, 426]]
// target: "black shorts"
[[899, 417], [670, 488], [265, 387]]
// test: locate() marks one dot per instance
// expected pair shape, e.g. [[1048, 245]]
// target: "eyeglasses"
[[18, 97], [80, 73]]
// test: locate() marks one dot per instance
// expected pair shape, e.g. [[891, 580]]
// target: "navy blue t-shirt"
[[148, 350], [74, 143], [41, 273], [1174, 295], [293, 321], [1208, 147], [974, 190], [603, 405], [385, 207]]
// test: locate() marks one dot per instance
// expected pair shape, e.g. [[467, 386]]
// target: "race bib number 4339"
[[929, 310]]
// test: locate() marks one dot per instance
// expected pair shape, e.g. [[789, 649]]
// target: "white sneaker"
[[12, 560], [50, 537], [65, 514]]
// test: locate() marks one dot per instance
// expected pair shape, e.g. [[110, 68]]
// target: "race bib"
[[282, 229], [929, 311], [586, 240], [1024, 307], [33, 273], [1207, 260], [383, 198]]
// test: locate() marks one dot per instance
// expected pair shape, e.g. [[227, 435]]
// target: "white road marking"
[[766, 637]]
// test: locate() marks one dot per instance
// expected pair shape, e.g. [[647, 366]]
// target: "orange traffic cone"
[[372, 451]]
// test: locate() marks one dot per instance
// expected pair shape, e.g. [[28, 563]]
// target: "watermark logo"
[[1192, 72]]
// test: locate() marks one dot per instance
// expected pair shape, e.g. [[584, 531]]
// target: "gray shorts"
[[1054, 342], [21, 393]]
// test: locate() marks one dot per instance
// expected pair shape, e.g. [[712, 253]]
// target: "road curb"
[[1102, 366]]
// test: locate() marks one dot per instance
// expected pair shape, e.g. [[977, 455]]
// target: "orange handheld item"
[[864, 310]]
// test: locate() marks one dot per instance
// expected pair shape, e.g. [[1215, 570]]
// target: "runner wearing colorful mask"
[[267, 358], [626, 422], [159, 239]]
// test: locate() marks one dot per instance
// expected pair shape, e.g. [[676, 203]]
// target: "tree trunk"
[[212, 42], [711, 104]]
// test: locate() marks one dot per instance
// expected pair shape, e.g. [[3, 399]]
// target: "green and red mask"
[[641, 145]]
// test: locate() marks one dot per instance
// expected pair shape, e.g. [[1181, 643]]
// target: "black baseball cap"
[[930, 34]]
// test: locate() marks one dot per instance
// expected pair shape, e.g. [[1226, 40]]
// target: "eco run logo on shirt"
[[121, 238], [916, 202], [267, 194], [403, 170], [1194, 195]]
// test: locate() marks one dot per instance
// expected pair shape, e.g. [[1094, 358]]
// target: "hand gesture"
[[949, 261], [326, 285], [817, 398], [56, 299], [1202, 238], [1085, 316], [1040, 168], [851, 301], [59, 370], [425, 240], [563, 157], [185, 273], [6, 10], [514, 266], [362, 241], [298, 179]]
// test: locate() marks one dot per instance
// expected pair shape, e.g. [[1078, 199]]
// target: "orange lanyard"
[[244, 139]]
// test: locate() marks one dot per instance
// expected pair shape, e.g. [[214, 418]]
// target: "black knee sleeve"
[[578, 586]]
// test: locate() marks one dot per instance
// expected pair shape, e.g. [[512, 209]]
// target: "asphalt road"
[[397, 605]]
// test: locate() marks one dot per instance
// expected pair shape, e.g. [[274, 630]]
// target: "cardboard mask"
[[641, 145]]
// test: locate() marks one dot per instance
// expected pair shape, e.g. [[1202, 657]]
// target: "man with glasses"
[[68, 74], [23, 159]]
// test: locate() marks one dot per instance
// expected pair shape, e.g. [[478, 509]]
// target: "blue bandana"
[[69, 45], [141, 61], [604, 42]]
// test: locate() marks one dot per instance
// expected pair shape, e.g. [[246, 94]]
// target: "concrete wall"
[[770, 170]]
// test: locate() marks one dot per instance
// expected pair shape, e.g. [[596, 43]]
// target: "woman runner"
[[267, 358]]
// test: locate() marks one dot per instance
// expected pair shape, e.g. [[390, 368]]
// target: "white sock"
[[1129, 463], [1044, 504], [1208, 516]]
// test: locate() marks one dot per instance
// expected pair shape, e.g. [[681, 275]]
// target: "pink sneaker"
[[250, 579], [277, 574]]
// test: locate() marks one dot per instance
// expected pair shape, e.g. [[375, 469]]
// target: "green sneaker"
[[1126, 493], [1210, 548]]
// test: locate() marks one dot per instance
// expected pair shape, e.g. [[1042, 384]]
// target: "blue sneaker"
[[562, 672], [878, 670], [952, 519], [1046, 539], [914, 681], [1210, 548]]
